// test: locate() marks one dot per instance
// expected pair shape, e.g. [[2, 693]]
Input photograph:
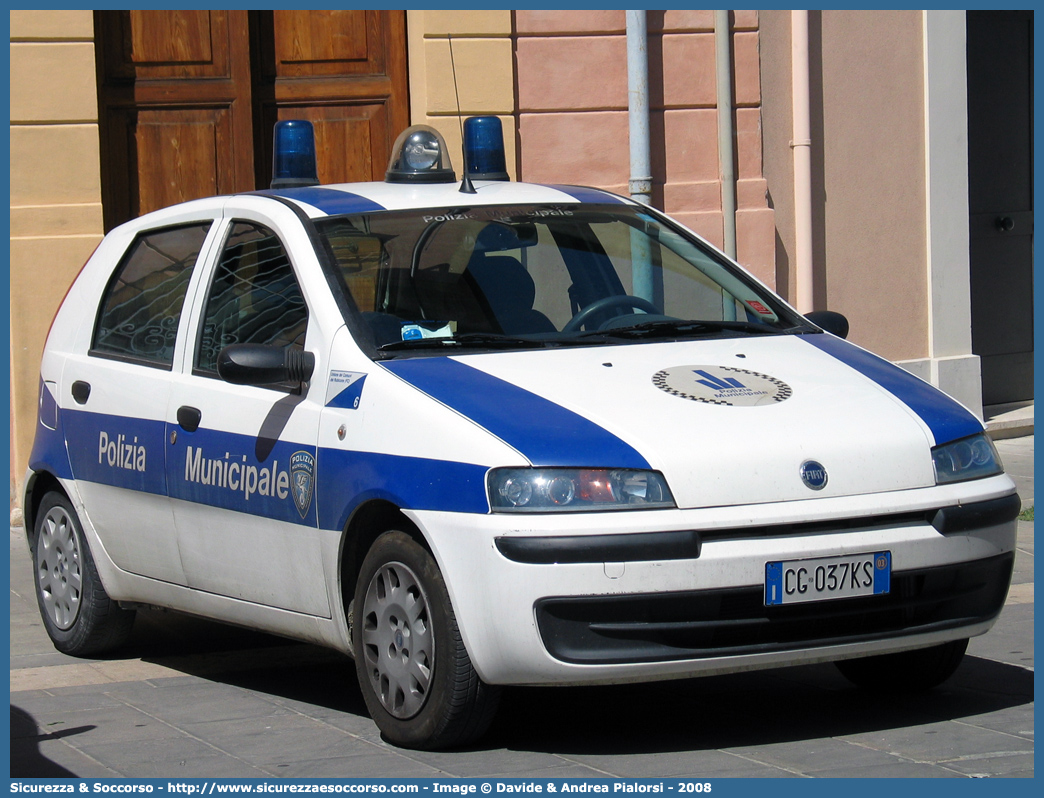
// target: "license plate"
[[822, 578]]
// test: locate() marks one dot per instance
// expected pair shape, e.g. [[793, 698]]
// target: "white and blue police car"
[[494, 434]]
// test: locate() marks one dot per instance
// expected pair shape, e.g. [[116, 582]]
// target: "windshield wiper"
[[668, 327]]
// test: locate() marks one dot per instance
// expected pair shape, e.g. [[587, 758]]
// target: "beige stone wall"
[[874, 247], [868, 162], [482, 54], [56, 216], [573, 123]]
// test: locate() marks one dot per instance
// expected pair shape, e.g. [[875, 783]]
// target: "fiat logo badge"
[[813, 475]]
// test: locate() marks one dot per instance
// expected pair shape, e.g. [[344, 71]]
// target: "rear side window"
[[254, 298], [139, 314]]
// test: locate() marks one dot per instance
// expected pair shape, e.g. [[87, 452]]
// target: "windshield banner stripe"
[[330, 201], [945, 417], [547, 434]]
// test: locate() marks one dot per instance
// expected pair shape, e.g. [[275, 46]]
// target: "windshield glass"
[[539, 275]]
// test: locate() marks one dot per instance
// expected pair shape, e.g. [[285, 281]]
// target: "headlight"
[[543, 490], [968, 458]]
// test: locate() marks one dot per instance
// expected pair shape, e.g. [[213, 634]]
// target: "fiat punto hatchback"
[[500, 434]]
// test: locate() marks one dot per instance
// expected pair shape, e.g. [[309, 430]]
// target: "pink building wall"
[[573, 126]]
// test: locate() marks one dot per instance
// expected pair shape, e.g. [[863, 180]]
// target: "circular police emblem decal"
[[813, 475], [721, 385]]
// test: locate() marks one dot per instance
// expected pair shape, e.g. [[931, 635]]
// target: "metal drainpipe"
[[802, 147], [640, 183], [643, 283], [723, 70]]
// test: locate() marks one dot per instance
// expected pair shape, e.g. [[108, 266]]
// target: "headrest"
[[504, 281]]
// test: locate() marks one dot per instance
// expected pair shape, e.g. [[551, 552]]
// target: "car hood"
[[727, 421]]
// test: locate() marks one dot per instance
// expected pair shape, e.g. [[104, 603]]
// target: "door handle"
[[189, 418]]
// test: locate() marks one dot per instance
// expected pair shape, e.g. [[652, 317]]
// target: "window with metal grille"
[[254, 297], [141, 308]]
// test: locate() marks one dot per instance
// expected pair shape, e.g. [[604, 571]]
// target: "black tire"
[[415, 675], [78, 614], [906, 671]]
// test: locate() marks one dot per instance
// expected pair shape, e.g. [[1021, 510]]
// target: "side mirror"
[[260, 364], [833, 322]]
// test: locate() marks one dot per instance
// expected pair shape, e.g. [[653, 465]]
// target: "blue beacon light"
[[293, 154], [484, 148]]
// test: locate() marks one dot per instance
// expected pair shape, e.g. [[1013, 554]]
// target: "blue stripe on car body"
[[221, 469], [546, 433], [947, 419], [330, 201], [113, 450], [216, 475], [584, 194], [350, 478], [49, 451]]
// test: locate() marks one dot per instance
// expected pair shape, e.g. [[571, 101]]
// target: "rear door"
[[115, 392]]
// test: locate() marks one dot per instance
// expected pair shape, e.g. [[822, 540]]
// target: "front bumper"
[[703, 624], [534, 608]]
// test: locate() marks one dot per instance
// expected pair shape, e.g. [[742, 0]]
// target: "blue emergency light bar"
[[484, 148], [293, 154]]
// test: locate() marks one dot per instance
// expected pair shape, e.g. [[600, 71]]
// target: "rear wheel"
[[78, 614], [905, 671], [414, 672]]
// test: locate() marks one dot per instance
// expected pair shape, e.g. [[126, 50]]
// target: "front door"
[[1000, 193], [241, 460]]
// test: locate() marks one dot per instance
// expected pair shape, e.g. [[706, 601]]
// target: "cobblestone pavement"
[[188, 698]]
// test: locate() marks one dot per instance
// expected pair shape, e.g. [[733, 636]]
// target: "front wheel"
[[905, 671], [414, 672], [78, 614]]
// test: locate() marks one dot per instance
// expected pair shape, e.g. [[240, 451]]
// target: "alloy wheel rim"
[[398, 640], [58, 569]]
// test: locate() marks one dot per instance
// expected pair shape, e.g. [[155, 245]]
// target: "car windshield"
[[532, 276]]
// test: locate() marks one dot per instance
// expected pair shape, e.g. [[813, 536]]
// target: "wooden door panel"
[[158, 37], [347, 134], [180, 155], [175, 106], [323, 43], [357, 118], [149, 45], [344, 136]]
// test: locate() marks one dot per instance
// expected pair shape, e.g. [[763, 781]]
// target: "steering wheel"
[[596, 307]]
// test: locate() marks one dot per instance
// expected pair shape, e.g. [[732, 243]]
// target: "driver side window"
[[254, 297]]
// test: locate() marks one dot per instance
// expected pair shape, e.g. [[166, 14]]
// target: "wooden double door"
[[188, 99]]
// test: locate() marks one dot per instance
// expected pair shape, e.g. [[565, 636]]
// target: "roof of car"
[[356, 198]]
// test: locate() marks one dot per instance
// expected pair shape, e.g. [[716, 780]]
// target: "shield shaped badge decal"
[[302, 479]]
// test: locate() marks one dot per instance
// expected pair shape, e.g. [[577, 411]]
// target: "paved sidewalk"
[[194, 699], [1013, 420]]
